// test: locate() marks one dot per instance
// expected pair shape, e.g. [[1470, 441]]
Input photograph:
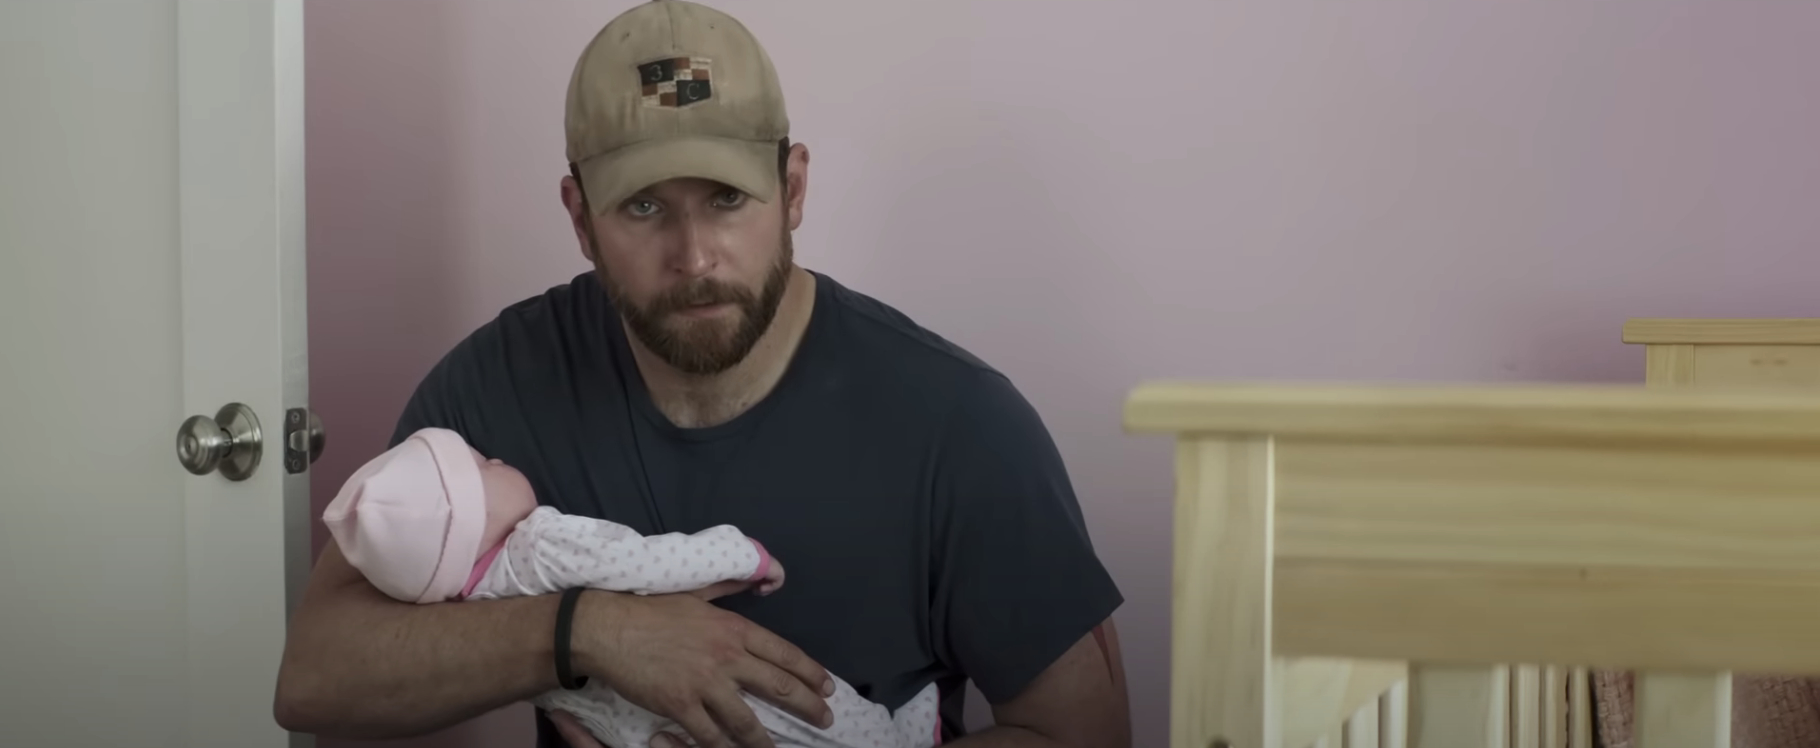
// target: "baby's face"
[[501, 479], [509, 498]]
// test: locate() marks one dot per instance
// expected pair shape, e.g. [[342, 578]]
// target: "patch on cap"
[[676, 82]]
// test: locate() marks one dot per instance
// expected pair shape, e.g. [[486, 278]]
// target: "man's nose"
[[694, 255]]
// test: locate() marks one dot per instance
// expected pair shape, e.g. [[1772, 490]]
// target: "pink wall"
[[1092, 194]]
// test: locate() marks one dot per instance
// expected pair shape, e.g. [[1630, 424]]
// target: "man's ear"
[[578, 215], [796, 184]]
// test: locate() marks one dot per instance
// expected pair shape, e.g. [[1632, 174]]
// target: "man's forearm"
[[361, 665]]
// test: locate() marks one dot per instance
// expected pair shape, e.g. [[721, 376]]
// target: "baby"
[[432, 520]]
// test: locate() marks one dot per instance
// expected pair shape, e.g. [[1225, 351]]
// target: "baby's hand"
[[768, 583], [774, 578]]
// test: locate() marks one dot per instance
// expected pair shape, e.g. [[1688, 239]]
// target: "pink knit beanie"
[[411, 519]]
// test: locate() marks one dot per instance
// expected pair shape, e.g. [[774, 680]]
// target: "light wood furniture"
[[1730, 354], [1327, 535]]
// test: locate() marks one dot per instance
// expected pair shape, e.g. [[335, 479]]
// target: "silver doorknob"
[[230, 442]]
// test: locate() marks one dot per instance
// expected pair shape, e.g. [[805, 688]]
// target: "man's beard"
[[704, 347]]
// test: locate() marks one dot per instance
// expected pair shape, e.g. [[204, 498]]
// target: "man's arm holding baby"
[[358, 664]]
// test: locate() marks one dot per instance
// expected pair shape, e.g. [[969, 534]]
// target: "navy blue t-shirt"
[[927, 521]]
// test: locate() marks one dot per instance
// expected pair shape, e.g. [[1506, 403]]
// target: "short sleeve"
[[1016, 578]]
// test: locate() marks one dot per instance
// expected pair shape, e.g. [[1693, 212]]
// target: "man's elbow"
[[304, 699], [311, 694], [293, 711], [1118, 736], [1102, 731], [1110, 728], [306, 704], [1079, 701], [1096, 720], [293, 714], [299, 702]]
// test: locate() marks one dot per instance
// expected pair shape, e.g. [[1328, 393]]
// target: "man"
[[698, 376]]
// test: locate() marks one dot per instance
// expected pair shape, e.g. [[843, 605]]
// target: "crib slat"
[[1526, 706], [1454, 706], [1580, 709], [1683, 710], [1554, 708], [1362, 730], [1320, 693], [1393, 717]]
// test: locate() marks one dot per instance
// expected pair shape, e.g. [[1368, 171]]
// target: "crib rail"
[[1325, 535]]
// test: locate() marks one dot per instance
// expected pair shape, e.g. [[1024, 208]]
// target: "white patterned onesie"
[[550, 551]]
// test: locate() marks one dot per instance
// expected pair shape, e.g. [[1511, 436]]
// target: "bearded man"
[[698, 376]]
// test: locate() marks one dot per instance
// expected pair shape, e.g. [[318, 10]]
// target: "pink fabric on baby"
[[764, 562], [411, 520], [480, 569]]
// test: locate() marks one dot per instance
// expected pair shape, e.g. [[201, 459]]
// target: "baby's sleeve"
[[550, 551]]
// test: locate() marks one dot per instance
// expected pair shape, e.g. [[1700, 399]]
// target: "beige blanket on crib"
[[1767, 711]]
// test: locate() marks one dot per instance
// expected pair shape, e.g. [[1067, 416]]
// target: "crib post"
[[1683, 710], [1694, 709], [1224, 685], [1459, 706]]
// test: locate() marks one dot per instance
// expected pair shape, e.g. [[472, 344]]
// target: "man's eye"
[[730, 198], [641, 207]]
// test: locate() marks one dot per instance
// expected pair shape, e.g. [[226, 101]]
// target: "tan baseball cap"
[[673, 89]]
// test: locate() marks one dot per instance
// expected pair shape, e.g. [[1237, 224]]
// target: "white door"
[[151, 269]]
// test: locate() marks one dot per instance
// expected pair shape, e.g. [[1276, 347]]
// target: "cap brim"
[[745, 165]]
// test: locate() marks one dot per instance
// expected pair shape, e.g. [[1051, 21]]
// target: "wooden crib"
[[1372, 565]]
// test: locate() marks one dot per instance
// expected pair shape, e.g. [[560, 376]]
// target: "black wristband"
[[565, 618]]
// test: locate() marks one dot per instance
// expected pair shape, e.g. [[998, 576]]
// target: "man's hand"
[[573, 734], [686, 660], [577, 736]]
